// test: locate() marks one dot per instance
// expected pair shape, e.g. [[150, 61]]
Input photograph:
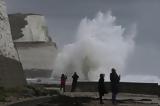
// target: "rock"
[[36, 49], [10, 67], [29, 28]]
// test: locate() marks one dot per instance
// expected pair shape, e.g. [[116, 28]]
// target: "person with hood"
[[101, 88]]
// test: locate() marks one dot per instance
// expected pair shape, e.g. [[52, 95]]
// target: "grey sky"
[[64, 16]]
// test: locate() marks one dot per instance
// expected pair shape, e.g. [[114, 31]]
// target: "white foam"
[[100, 45]]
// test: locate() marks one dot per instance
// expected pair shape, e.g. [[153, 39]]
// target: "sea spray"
[[100, 45]]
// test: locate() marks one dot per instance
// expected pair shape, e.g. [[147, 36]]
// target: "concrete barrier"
[[125, 87]]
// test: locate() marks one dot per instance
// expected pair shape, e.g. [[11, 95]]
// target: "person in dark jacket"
[[74, 82], [63, 82], [115, 79], [101, 87]]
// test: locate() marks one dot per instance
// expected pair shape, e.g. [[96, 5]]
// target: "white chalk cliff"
[[35, 48], [11, 72], [6, 43], [35, 30]]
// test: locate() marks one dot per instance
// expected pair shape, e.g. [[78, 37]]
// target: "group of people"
[[74, 82], [114, 78]]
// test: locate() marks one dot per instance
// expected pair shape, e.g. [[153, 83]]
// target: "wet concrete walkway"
[[91, 99], [124, 99]]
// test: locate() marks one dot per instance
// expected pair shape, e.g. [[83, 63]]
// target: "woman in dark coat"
[[101, 87]]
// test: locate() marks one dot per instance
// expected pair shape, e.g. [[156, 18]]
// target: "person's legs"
[[115, 94], [73, 87], [100, 98], [113, 97], [63, 88]]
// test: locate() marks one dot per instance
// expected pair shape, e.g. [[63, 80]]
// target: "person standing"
[[63, 82], [115, 79], [101, 88], [74, 82]]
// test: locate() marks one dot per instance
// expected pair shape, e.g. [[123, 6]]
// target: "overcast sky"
[[64, 16]]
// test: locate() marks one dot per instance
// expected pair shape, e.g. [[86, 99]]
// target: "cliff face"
[[37, 55], [28, 28], [11, 72], [6, 44], [36, 50]]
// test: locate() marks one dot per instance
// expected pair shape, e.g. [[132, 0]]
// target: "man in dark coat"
[[74, 82], [101, 87], [115, 79]]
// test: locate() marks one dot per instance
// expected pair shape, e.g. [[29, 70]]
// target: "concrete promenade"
[[124, 99]]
